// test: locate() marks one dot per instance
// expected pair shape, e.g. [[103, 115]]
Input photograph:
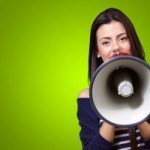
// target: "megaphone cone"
[[119, 91]]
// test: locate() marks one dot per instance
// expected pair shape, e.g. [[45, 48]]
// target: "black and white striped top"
[[122, 139]]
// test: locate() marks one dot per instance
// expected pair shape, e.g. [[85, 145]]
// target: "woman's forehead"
[[110, 29]]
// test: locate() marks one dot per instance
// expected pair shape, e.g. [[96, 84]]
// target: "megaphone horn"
[[119, 91]]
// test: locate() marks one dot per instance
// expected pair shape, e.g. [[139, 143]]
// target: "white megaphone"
[[120, 91]]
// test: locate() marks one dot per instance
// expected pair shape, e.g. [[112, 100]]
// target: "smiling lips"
[[119, 54]]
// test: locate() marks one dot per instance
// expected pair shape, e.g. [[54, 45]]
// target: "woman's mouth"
[[119, 54]]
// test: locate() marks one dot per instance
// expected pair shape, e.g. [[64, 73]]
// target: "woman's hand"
[[145, 130], [107, 131]]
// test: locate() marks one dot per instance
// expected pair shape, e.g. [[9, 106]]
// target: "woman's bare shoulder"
[[84, 93]]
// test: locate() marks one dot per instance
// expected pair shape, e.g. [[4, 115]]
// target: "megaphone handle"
[[132, 138]]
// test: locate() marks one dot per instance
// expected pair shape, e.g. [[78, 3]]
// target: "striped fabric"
[[122, 139]]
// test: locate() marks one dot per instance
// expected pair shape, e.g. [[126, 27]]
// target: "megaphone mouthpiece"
[[125, 89]]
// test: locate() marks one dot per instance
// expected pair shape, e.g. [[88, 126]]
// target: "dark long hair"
[[106, 17]]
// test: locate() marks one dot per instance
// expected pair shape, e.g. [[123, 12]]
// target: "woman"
[[112, 32]]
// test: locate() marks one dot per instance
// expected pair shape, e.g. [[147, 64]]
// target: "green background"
[[43, 64]]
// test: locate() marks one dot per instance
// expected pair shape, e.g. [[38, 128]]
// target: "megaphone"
[[120, 91]]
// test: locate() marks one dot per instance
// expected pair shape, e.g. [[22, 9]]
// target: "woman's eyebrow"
[[105, 38], [121, 34]]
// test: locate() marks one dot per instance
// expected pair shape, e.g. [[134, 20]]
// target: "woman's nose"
[[116, 51], [115, 45]]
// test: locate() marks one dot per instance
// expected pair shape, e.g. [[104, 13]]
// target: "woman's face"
[[111, 37]]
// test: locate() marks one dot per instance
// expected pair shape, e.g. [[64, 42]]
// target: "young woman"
[[111, 32]]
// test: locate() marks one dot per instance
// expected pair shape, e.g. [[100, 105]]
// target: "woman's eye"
[[123, 39], [105, 43]]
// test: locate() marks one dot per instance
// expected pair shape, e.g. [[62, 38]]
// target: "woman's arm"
[[90, 133]]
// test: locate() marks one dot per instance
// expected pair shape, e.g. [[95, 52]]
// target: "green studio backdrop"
[[43, 64]]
